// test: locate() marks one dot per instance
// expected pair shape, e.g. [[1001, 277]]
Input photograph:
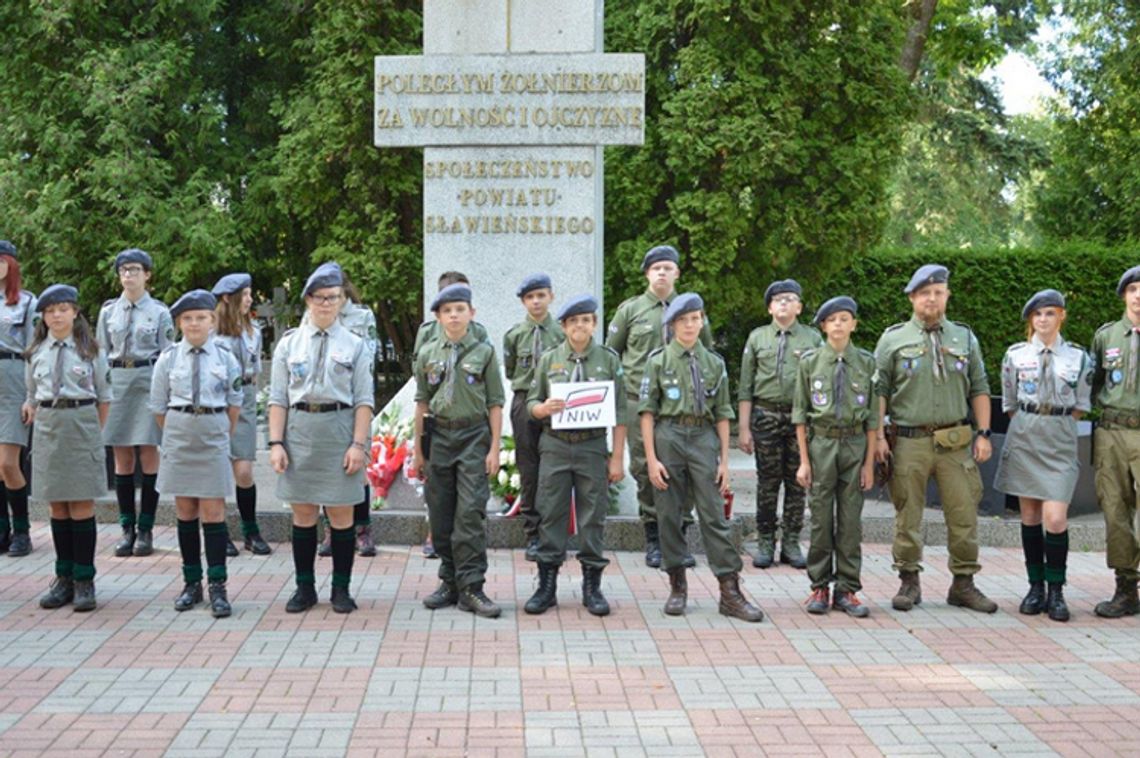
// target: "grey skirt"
[[12, 392], [68, 461], [130, 421], [1039, 459], [243, 442], [195, 460], [316, 443]]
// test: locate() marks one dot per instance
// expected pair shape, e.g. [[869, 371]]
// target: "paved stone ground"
[[136, 678]]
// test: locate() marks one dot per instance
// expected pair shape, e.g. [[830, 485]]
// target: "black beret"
[[658, 254], [56, 294], [578, 305], [835, 305], [533, 282], [1129, 276], [194, 300], [452, 293], [780, 287], [326, 275], [1043, 299], [134, 255], [682, 304]]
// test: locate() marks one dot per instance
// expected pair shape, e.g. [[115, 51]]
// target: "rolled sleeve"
[[102, 373], [979, 382], [800, 395], [423, 395], [649, 396], [160, 385], [747, 371], [234, 389], [884, 369], [723, 401], [1085, 383], [1008, 385], [279, 375], [494, 380], [362, 377]]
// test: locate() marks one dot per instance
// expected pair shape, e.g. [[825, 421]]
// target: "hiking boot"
[[1124, 601], [342, 602], [652, 545], [255, 544], [1034, 601], [303, 598], [21, 545], [819, 602], [365, 545], [765, 551], [219, 603], [144, 546], [126, 545], [849, 604], [678, 592], [592, 596], [190, 596], [445, 595], [910, 592], [474, 600], [965, 594], [792, 554], [733, 602], [84, 596], [61, 592], [1055, 603], [546, 596]]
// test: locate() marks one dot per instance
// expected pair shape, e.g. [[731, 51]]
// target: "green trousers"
[[457, 492], [690, 455], [578, 468], [639, 469], [1117, 461], [836, 552], [959, 484]]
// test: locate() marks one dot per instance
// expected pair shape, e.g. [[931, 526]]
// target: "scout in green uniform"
[[523, 346], [637, 330], [929, 377], [767, 384], [575, 469], [1116, 443], [835, 418], [685, 409], [458, 383]]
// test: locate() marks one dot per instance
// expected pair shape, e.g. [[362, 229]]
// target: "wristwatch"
[[985, 433]]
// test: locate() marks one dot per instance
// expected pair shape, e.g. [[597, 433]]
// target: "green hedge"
[[987, 291]]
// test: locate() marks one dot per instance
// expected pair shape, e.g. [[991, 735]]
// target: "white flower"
[[511, 457], [516, 482], [504, 458], [503, 477]]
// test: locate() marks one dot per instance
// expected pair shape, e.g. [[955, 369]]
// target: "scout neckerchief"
[[196, 376], [57, 371], [840, 385], [698, 383]]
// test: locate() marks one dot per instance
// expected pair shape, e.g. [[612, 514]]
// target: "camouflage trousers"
[[777, 458]]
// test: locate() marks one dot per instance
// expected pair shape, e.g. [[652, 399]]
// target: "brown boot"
[[733, 602], [964, 593], [678, 592], [910, 592], [1124, 602]]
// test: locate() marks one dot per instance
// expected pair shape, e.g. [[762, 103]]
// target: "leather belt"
[[65, 403], [319, 407], [925, 431], [1110, 418], [687, 420], [7, 356], [577, 435], [133, 364], [195, 410], [1045, 410], [459, 423], [837, 432]]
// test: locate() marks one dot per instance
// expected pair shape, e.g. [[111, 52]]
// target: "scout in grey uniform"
[[458, 382], [836, 418], [575, 468], [320, 410], [685, 411], [18, 316], [196, 396], [929, 377], [1116, 444], [68, 392], [768, 371], [523, 346], [241, 335], [1046, 385], [637, 330], [132, 330]]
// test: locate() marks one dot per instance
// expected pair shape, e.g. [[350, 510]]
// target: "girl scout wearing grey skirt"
[[320, 409], [18, 317], [68, 392], [132, 330], [1046, 386], [196, 398], [237, 330]]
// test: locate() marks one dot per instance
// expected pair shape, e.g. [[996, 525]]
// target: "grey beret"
[[231, 284], [56, 294], [532, 283], [781, 287], [835, 305], [326, 275], [931, 273], [682, 304], [1043, 299], [7, 248], [578, 305], [194, 300], [1131, 275], [452, 293], [134, 255], [658, 254]]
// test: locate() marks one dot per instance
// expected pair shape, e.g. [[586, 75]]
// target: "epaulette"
[[899, 325], [1104, 326], [611, 351], [808, 354], [1017, 345], [964, 325], [108, 302], [426, 324], [288, 332], [173, 345], [861, 351], [655, 351], [224, 345]]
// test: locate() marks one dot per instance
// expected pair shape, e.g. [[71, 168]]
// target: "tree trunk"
[[921, 13]]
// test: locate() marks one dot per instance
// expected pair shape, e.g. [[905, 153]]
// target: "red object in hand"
[[728, 498], [572, 527], [383, 472]]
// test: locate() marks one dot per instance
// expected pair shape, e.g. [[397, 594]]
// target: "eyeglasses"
[[131, 271], [324, 299], [786, 300]]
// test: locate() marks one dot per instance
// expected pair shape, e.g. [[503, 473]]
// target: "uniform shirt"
[[667, 387], [172, 384], [817, 400], [636, 331], [246, 347], [315, 366], [1111, 352], [473, 378], [18, 323], [78, 379], [759, 378], [430, 331], [561, 365], [1068, 385], [361, 321], [134, 331], [518, 348]]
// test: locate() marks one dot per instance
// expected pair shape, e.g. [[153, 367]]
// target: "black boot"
[[84, 596], [145, 543], [190, 596], [688, 560], [652, 545], [61, 592], [546, 596], [126, 545], [231, 548], [219, 603], [255, 544], [1034, 601], [1124, 602], [21, 545], [342, 602], [592, 596], [791, 553], [1055, 604], [445, 595], [303, 598]]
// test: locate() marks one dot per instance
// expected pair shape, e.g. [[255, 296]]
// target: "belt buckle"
[[128, 364], [312, 407], [1132, 422], [198, 410]]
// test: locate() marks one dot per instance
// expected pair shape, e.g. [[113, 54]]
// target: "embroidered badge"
[[959, 365], [1030, 387], [819, 398], [1117, 376], [673, 393], [1112, 352], [818, 384], [860, 399]]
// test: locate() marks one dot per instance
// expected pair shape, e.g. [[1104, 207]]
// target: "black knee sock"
[[125, 494], [1033, 544], [247, 509], [83, 536], [362, 511], [215, 538], [18, 500], [190, 544], [305, 553], [1056, 556], [343, 552], [5, 524], [149, 504], [64, 546]]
